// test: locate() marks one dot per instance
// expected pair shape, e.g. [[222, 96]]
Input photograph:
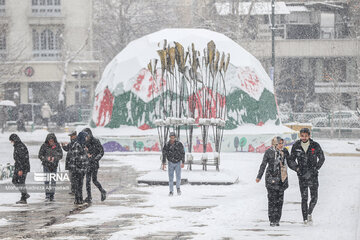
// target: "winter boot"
[[178, 191], [171, 194], [22, 201], [88, 200], [272, 224], [103, 195]]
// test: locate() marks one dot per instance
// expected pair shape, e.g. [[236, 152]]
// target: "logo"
[[47, 177], [29, 71]]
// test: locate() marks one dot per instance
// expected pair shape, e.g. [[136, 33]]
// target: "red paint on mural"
[[251, 148], [104, 108], [154, 87], [261, 148], [249, 80], [206, 108]]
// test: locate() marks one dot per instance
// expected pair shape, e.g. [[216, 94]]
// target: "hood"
[[15, 138], [51, 136], [88, 131], [81, 138]]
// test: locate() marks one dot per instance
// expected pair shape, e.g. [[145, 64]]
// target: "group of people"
[[84, 152], [306, 158]]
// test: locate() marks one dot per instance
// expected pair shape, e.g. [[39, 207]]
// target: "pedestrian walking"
[[22, 167], [3, 118], [174, 153], [306, 159], [81, 162], [46, 113], [60, 120], [95, 153], [20, 122], [69, 165], [276, 179], [50, 154]]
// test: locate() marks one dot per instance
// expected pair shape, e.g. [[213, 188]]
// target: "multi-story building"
[[42, 44], [317, 56]]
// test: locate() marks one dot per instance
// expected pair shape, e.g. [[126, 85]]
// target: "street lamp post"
[[272, 71]]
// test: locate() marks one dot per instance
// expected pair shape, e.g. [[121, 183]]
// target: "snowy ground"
[[237, 211]]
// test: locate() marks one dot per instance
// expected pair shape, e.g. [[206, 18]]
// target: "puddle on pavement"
[[168, 236], [193, 208]]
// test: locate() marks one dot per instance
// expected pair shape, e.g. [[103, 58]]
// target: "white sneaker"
[[310, 220], [305, 222]]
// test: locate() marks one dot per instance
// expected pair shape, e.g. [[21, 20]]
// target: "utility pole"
[[272, 70]]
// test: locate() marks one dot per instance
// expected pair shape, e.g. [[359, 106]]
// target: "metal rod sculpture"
[[192, 93]]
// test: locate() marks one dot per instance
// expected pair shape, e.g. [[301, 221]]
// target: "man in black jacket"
[[95, 153], [22, 166], [174, 152], [50, 154], [310, 158], [69, 165]]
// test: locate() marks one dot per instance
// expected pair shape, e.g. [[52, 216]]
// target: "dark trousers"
[[313, 185], [91, 174], [19, 182], [72, 183], [275, 203], [49, 185], [46, 121], [78, 178]]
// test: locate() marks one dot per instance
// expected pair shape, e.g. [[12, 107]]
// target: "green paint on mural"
[[131, 110], [244, 109]]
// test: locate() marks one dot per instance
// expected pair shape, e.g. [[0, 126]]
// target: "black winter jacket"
[[69, 165], [50, 151], [273, 172], [306, 164], [173, 152], [79, 157], [21, 155], [95, 149]]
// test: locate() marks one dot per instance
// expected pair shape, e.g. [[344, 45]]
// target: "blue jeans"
[[177, 168], [49, 185]]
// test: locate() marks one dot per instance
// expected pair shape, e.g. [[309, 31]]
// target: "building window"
[[2, 7], [2, 41], [47, 43], [46, 7]]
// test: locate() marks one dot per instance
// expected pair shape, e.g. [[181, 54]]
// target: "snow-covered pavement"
[[236, 211]]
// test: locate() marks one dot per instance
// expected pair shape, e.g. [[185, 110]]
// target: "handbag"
[[283, 172]]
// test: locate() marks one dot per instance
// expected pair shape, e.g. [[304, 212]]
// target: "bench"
[[204, 161]]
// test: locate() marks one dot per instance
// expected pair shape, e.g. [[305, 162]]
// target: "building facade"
[[44, 45], [316, 45]]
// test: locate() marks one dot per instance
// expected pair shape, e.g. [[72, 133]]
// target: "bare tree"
[[116, 23], [67, 57]]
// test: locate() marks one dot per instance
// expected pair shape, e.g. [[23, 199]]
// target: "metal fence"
[[336, 120]]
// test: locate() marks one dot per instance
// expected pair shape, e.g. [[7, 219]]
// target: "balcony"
[[342, 87], [304, 48], [47, 55], [46, 11]]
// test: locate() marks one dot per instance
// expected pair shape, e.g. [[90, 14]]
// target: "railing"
[[46, 11], [336, 120], [46, 54]]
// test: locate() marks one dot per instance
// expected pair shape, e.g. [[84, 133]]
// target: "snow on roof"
[[325, 4], [297, 8], [259, 8]]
